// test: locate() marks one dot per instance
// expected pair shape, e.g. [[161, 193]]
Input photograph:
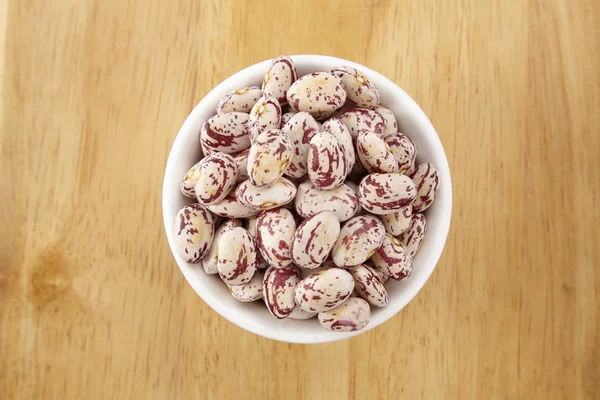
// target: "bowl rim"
[[443, 225]]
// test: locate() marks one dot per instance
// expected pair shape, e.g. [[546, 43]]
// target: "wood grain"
[[92, 304]]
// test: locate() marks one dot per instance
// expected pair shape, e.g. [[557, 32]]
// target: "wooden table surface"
[[92, 304]]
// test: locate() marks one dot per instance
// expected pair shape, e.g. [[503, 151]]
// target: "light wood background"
[[92, 304]]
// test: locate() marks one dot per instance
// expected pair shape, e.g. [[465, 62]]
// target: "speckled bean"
[[326, 163], [359, 238], [324, 290], [279, 77], [403, 148], [269, 157], [386, 193], [190, 179], [279, 285], [359, 89], [375, 154], [226, 133], [286, 117], [352, 315], [427, 181], [193, 233], [414, 235], [391, 125], [274, 234], [354, 187], [398, 221], [300, 128], [369, 285], [319, 93], [218, 175], [241, 160], [358, 119], [314, 239], [338, 129], [240, 100], [300, 314], [342, 201], [251, 291], [250, 225], [393, 259], [230, 207], [236, 256], [209, 262], [265, 114], [277, 194]]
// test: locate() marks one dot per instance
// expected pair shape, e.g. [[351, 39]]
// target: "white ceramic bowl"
[[254, 317]]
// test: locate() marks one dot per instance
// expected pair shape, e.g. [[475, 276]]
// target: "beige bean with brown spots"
[[269, 157], [249, 292], [375, 154], [274, 234], [239, 100], [393, 259], [226, 133], [279, 77], [359, 89], [359, 238], [236, 257], [352, 315], [342, 201], [193, 232], [314, 239], [217, 176], [414, 235], [276, 194], [209, 262], [369, 285], [397, 222], [319, 94], [324, 290], [266, 114]]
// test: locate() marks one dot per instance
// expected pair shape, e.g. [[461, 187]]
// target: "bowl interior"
[[254, 317]]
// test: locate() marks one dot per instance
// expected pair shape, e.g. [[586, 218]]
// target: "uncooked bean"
[[314, 239], [300, 128], [240, 100], [326, 163], [218, 175], [324, 290], [414, 235], [274, 234], [319, 93], [209, 262], [369, 285], [277, 194], [359, 238], [279, 77], [269, 157], [359, 89], [279, 285], [393, 259], [265, 114], [358, 119], [397, 222], [427, 181], [375, 154], [193, 232], [386, 193], [226, 133], [342, 201], [352, 315], [236, 256]]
